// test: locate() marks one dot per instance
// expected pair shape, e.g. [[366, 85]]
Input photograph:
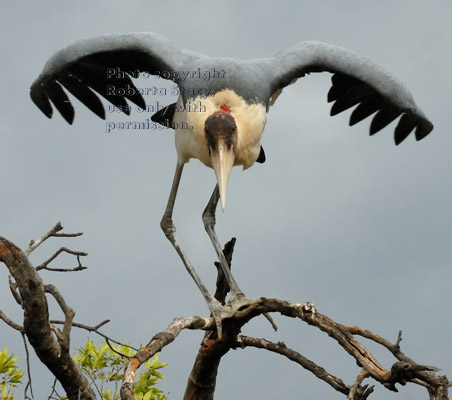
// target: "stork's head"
[[221, 136]]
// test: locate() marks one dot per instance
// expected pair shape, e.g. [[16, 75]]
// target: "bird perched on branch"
[[221, 112]]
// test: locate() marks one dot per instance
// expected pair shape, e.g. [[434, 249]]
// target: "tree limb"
[[10, 322], [79, 254], [13, 289], [29, 383], [36, 321], [157, 343], [68, 314], [358, 392], [281, 348], [34, 244]]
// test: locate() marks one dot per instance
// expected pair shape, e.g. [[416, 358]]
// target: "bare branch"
[[358, 392], [393, 348], [401, 372], [157, 343], [79, 254], [13, 288], [68, 314], [68, 234], [53, 232], [27, 353], [308, 313], [222, 287], [37, 326], [76, 269], [399, 339], [117, 352], [10, 322], [271, 320], [101, 324], [281, 348], [35, 244], [53, 389], [94, 329]]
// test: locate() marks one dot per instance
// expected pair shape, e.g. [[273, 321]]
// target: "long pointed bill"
[[222, 162]]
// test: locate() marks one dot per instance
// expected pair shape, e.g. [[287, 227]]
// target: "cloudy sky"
[[358, 226]]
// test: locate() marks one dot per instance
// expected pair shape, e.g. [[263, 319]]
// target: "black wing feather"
[[350, 98], [83, 93], [59, 98], [356, 81], [405, 126], [347, 92], [82, 68], [95, 77], [340, 84], [261, 158], [366, 108], [165, 115], [423, 128], [383, 118], [40, 98]]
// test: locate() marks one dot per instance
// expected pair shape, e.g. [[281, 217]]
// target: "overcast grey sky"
[[354, 224]]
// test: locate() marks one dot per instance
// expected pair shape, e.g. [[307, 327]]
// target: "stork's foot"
[[219, 313], [237, 307]]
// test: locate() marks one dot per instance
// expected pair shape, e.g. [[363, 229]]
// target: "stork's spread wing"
[[104, 65], [356, 81]]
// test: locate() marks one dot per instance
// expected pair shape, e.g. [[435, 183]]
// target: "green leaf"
[[153, 362], [105, 367], [148, 395], [158, 375], [9, 374]]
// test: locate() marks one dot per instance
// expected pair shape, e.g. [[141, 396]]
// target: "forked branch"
[[50, 344], [400, 373]]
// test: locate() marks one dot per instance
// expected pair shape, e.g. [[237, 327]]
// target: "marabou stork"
[[225, 128]]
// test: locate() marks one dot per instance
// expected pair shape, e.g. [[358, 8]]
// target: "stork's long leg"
[[218, 311], [209, 220], [169, 229]]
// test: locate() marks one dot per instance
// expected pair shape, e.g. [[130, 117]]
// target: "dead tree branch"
[[409, 371], [281, 348], [157, 343], [203, 376], [37, 326], [34, 244], [13, 289], [68, 314], [222, 287], [10, 322], [201, 383], [394, 348], [94, 329], [358, 392], [52, 344], [79, 254], [27, 354]]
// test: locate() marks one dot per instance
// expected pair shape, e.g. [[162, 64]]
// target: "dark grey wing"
[[356, 81], [104, 66]]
